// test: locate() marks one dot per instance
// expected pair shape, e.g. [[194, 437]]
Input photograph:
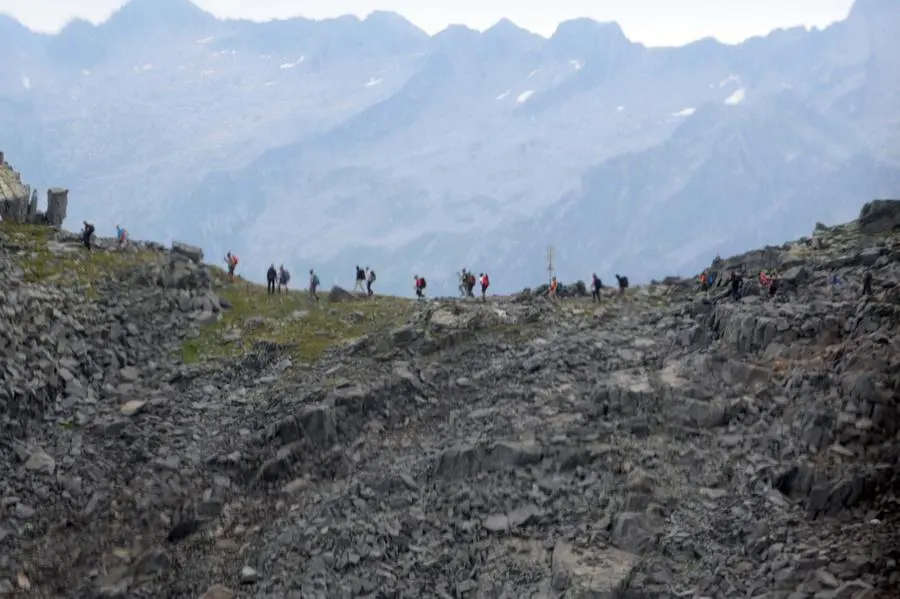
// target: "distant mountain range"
[[333, 143]]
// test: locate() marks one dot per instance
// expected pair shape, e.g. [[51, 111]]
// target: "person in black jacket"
[[737, 284], [360, 279], [271, 277], [596, 286], [87, 233]]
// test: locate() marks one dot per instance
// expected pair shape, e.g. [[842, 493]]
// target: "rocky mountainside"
[[342, 139], [167, 432]]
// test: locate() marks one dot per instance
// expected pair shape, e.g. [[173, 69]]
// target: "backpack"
[[316, 280], [486, 281], [372, 275], [285, 275], [422, 282], [89, 230], [625, 282]]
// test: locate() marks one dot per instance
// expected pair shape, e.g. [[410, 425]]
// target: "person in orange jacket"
[[485, 283]]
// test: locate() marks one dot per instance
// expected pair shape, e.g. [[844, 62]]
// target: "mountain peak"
[[141, 14], [587, 36], [503, 26], [584, 28], [395, 24], [506, 33]]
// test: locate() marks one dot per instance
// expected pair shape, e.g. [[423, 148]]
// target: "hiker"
[[867, 283], [271, 277], [283, 277], [773, 285], [121, 236], [463, 281], [596, 286], [87, 233], [313, 285], [737, 282], [370, 278], [470, 285], [704, 281], [554, 285], [231, 261], [764, 280], [485, 283], [420, 285], [623, 283], [360, 279]]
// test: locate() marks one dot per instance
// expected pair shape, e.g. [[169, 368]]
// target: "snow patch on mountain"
[[291, 65], [737, 97], [729, 79]]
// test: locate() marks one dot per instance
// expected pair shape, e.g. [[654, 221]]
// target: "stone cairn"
[[18, 203]]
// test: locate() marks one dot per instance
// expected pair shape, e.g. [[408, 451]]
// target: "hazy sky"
[[653, 22]]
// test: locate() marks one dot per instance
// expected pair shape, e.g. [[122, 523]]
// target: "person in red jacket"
[[485, 283], [420, 286]]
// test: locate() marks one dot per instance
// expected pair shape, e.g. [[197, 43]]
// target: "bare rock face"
[[880, 216], [18, 203], [14, 196], [57, 206]]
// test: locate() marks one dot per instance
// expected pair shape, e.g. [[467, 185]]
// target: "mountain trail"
[[169, 433]]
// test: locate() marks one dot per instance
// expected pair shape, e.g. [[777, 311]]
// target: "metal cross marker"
[[551, 256]]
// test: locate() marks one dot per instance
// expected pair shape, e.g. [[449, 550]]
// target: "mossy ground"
[[67, 265], [292, 319]]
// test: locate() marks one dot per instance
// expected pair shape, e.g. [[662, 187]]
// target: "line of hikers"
[[88, 230], [279, 278], [364, 277], [467, 282], [768, 281]]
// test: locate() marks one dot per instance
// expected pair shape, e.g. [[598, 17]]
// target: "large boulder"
[[192, 253], [879, 216]]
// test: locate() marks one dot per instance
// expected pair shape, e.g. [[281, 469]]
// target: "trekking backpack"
[[625, 282], [372, 275], [316, 280], [285, 276], [424, 284], [487, 281]]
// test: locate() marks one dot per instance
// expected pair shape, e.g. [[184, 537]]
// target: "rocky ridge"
[[665, 443]]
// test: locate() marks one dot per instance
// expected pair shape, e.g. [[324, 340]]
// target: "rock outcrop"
[[661, 443], [18, 203]]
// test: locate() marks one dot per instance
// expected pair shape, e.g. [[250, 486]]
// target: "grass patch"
[[44, 261], [292, 319]]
